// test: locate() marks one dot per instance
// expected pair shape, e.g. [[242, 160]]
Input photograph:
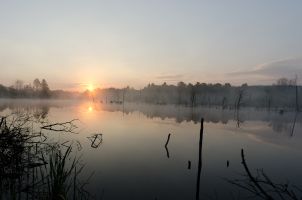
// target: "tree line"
[[36, 89], [284, 93]]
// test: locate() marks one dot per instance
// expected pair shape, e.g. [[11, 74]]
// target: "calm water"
[[132, 162]]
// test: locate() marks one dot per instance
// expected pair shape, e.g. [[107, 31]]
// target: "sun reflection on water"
[[88, 109]]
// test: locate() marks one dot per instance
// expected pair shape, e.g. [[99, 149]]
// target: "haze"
[[73, 44]]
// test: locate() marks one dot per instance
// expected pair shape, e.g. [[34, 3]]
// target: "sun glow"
[[90, 88]]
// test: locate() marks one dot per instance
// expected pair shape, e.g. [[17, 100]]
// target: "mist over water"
[[131, 161], [150, 100]]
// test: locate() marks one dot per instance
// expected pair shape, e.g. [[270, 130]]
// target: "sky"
[[114, 43]]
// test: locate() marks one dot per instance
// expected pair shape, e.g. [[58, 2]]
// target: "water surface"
[[132, 162]]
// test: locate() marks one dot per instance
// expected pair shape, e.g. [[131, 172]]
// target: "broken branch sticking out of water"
[[189, 164], [96, 140], [261, 185], [255, 182], [166, 145]]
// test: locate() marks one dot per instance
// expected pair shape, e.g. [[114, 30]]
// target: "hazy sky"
[[118, 43]]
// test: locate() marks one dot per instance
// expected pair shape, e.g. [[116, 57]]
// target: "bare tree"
[[296, 91], [19, 85], [37, 84], [192, 89]]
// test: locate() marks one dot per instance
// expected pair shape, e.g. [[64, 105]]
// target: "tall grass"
[[32, 168], [62, 176]]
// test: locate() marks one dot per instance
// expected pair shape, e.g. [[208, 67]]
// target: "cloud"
[[67, 86], [175, 77], [271, 71]]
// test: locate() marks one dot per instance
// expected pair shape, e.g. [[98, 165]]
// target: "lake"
[[131, 161]]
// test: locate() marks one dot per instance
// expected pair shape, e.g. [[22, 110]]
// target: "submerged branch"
[[96, 140], [62, 127]]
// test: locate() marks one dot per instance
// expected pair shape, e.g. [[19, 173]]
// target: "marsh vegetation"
[[31, 166]]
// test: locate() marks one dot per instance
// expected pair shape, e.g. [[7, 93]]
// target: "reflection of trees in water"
[[37, 108], [179, 113], [280, 126], [2, 107], [214, 115], [287, 127], [41, 112]]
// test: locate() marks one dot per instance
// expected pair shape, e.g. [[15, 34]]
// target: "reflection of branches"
[[294, 123], [62, 127], [79, 146], [237, 118], [262, 186], [96, 140]]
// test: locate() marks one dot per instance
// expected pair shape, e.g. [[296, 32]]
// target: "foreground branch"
[[262, 186], [62, 127]]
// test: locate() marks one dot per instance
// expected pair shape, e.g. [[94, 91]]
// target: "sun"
[[90, 88]]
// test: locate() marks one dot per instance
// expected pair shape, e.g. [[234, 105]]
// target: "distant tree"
[[291, 83], [224, 103], [240, 95], [181, 87], [227, 85], [283, 82], [217, 85], [3, 91], [18, 85], [37, 84], [268, 93], [244, 85], [28, 90], [45, 91], [192, 90], [296, 91]]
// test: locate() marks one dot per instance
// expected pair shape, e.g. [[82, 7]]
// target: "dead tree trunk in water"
[[238, 104], [297, 99], [239, 100], [223, 104], [199, 159]]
